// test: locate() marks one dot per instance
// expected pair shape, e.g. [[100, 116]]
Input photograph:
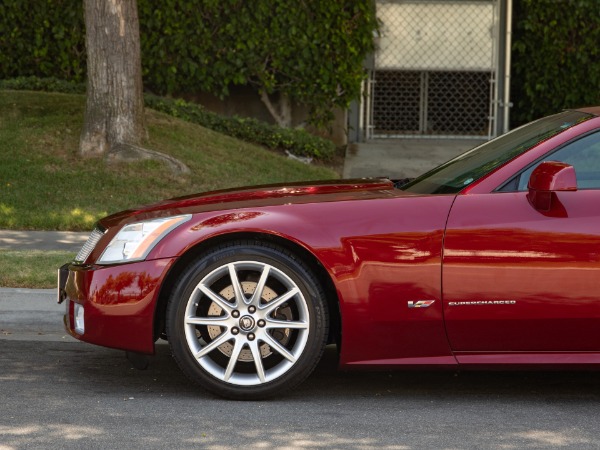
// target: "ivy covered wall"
[[311, 51], [556, 57], [314, 49]]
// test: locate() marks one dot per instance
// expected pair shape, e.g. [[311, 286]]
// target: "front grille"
[[88, 246]]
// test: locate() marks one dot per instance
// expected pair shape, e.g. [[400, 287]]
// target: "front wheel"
[[247, 321]]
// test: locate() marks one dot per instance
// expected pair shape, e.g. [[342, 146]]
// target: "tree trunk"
[[281, 111], [114, 111]]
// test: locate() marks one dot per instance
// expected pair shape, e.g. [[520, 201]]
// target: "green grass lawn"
[[45, 185], [31, 268]]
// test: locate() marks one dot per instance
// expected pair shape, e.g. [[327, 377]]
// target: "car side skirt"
[[529, 359]]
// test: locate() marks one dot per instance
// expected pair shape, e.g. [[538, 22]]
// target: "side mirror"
[[547, 179]]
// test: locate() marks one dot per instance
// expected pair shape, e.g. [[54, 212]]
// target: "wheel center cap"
[[247, 323]]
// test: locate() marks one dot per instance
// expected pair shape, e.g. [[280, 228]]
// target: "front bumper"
[[113, 306]]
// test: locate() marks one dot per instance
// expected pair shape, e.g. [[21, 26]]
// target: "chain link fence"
[[434, 70]]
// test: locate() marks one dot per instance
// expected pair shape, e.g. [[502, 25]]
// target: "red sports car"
[[491, 259]]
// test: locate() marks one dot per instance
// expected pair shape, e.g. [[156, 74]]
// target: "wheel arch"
[[302, 253]]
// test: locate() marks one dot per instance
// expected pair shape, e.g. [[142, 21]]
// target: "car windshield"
[[456, 174]]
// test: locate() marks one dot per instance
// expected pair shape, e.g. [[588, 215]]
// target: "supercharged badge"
[[483, 302]]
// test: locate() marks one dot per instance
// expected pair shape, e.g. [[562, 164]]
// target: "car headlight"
[[134, 241]]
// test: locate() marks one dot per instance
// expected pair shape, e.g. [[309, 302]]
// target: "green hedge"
[[43, 38], [556, 57], [556, 60], [50, 84], [312, 50], [298, 142]]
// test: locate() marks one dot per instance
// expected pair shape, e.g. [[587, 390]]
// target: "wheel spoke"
[[277, 302], [214, 321], [224, 337], [260, 286], [235, 353], [275, 345], [224, 304], [260, 370], [237, 287], [294, 325]]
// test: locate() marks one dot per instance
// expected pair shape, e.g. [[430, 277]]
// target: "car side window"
[[583, 154]]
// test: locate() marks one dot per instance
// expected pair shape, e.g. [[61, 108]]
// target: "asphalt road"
[[56, 393]]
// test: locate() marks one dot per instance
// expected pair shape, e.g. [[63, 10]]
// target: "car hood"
[[256, 196]]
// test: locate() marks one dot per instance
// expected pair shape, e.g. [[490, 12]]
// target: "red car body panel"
[[379, 260], [120, 303], [546, 266], [504, 282]]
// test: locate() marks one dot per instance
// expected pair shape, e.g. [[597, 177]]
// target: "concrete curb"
[[27, 291]]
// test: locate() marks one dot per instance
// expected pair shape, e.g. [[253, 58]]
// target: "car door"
[[517, 279]]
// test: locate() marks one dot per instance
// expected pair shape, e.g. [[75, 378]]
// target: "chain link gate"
[[435, 70]]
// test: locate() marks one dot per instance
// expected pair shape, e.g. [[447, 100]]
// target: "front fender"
[[380, 254]]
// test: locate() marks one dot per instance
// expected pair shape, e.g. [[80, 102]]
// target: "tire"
[[240, 344]]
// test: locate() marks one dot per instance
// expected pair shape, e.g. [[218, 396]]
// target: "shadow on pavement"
[[71, 394]]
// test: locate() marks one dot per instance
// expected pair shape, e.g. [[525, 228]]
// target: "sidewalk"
[[16, 304], [31, 315], [401, 158], [67, 241]]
